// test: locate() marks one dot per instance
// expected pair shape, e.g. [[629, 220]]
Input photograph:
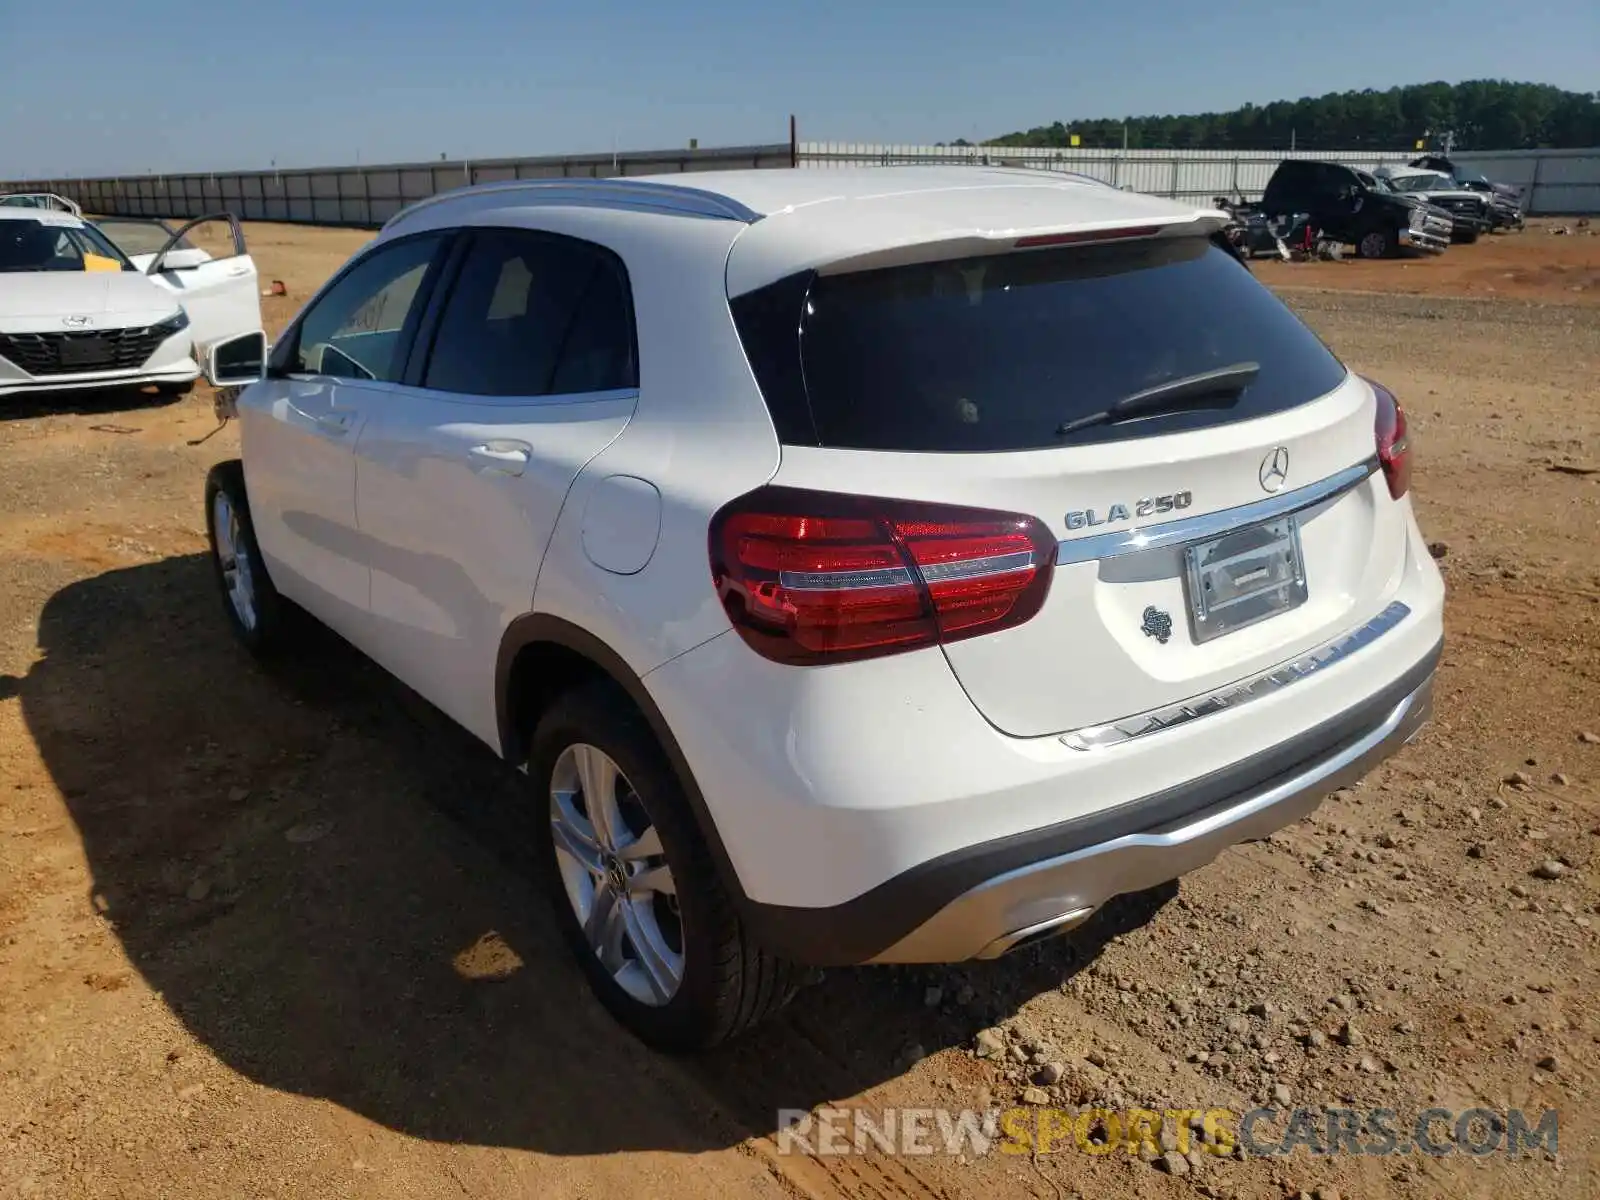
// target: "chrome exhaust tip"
[[1039, 931]]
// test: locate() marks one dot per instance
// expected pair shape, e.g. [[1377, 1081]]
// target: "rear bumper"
[[1059, 889], [849, 807]]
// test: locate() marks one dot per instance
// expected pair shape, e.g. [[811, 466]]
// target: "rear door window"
[[534, 314], [998, 352]]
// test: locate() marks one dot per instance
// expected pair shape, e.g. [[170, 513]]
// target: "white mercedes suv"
[[888, 565]]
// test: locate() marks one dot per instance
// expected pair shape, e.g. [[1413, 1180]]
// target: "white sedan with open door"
[[78, 312]]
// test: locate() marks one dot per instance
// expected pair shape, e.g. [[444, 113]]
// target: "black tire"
[[729, 983], [175, 389], [1376, 243], [1466, 238], [272, 630]]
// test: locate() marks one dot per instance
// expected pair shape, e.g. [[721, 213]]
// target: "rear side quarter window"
[[534, 314]]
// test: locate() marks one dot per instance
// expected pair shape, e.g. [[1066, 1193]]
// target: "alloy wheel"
[[615, 874], [235, 563]]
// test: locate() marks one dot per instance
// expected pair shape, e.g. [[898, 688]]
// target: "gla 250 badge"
[[1148, 506]]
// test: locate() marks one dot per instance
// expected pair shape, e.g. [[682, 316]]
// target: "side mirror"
[[237, 361]]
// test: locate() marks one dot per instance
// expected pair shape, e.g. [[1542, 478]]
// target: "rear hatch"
[[1212, 534]]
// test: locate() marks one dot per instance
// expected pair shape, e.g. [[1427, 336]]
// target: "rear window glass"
[[997, 352]]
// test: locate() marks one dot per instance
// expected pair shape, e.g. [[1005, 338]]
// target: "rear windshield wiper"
[[1176, 395]]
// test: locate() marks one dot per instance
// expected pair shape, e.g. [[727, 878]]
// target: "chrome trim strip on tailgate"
[[1098, 737], [1205, 526]]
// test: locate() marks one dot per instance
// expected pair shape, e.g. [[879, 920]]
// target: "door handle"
[[336, 422], [503, 458]]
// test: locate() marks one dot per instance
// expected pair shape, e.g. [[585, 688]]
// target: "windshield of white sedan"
[[46, 246]]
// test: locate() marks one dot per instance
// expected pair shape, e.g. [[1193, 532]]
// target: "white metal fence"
[[367, 195], [1555, 181]]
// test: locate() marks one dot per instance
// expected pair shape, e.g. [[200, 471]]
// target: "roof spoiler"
[[976, 244]]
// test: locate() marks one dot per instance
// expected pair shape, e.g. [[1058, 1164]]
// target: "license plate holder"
[[87, 352], [1244, 576]]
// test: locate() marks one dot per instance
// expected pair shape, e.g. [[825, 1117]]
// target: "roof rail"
[[615, 192]]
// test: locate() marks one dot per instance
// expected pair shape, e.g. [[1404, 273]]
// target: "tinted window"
[[533, 315], [995, 353], [48, 246], [357, 329]]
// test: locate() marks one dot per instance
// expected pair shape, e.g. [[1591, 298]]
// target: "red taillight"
[[809, 577], [1394, 447]]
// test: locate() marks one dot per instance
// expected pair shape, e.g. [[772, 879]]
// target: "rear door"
[[953, 381], [221, 295], [525, 370]]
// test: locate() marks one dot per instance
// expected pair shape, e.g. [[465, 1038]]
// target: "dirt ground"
[[261, 934]]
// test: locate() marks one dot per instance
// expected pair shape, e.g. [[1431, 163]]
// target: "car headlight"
[[176, 323]]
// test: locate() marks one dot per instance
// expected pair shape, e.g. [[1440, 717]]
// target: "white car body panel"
[[826, 783], [836, 223], [1090, 625], [298, 439], [32, 300], [222, 296], [454, 509], [414, 527]]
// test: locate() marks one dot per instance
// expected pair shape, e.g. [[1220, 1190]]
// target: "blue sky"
[[108, 87]]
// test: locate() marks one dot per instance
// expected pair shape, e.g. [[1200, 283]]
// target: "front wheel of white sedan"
[[633, 883]]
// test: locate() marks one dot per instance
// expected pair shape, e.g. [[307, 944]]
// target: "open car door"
[[141, 239], [221, 295]]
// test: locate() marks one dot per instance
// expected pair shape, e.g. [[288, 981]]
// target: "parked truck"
[[1505, 199], [1349, 206]]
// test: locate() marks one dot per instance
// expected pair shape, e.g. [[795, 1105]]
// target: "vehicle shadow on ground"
[[88, 402], [322, 878]]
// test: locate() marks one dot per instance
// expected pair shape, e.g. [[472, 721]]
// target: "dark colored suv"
[[1342, 205], [1505, 199]]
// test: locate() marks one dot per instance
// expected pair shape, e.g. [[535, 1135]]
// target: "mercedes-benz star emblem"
[[75, 322], [1274, 471], [1157, 624]]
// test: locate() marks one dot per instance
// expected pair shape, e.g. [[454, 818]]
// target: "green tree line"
[[1482, 114]]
